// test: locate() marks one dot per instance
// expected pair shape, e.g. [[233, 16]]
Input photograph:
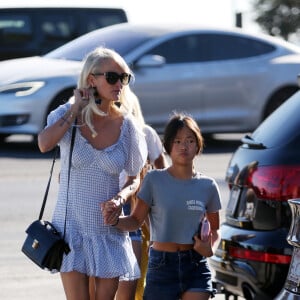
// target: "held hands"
[[203, 247], [111, 210]]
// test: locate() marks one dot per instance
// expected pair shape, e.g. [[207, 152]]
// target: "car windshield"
[[121, 40]]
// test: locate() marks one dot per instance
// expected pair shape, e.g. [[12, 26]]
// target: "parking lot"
[[23, 177]]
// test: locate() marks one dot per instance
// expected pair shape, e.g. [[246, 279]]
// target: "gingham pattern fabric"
[[96, 249]]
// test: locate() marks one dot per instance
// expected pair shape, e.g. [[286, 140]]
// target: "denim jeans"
[[170, 274]]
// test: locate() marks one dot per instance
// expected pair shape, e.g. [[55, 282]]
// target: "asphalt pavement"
[[23, 179]]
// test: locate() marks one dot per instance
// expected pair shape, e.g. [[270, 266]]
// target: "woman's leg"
[[92, 288], [127, 289], [106, 288], [76, 285]]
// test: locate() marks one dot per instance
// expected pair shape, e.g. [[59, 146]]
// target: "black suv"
[[253, 257], [38, 30]]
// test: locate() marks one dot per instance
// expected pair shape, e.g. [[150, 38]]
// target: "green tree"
[[278, 17]]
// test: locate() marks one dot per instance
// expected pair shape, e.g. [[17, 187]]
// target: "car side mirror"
[[150, 60]]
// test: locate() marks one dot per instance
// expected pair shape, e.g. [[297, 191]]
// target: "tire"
[[61, 98]]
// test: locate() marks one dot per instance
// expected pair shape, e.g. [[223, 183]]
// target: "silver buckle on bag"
[[35, 244]]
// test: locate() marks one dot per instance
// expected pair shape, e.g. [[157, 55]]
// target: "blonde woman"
[[106, 142]]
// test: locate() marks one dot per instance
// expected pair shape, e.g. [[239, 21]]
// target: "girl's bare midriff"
[[171, 247]]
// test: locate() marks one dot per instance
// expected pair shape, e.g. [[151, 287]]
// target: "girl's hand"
[[111, 210], [203, 247]]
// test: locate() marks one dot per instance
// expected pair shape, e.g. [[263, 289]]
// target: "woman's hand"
[[111, 210], [203, 247], [82, 97]]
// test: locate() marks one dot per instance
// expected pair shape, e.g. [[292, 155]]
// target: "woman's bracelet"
[[67, 116], [120, 199], [117, 222]]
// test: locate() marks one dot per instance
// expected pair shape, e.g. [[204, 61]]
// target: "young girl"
[[176, 199]]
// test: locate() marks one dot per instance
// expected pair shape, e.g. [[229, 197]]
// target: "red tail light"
[[275, 182], [259, 256]]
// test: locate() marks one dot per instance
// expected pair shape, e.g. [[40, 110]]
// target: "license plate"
[[233, 200]]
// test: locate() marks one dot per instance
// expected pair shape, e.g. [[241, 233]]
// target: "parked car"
[[227, 79], [29, 31], [253, 257], [291, 289]]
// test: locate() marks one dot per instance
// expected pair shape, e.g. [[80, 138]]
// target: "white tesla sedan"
[[227, 79]]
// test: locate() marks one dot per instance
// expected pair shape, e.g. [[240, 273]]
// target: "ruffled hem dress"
[[96, 249]]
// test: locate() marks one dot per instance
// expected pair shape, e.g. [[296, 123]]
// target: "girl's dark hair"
[[177, 122]]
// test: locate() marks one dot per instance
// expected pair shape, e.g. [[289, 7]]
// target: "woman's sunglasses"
[[113, 77]]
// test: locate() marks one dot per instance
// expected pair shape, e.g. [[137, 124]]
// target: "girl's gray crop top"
[[176, 206]]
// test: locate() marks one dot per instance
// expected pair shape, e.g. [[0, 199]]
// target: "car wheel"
[[61, 98]]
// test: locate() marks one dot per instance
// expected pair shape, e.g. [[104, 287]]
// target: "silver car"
[[229, 81]]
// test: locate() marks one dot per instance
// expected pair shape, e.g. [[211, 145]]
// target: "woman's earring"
[[96, 96]]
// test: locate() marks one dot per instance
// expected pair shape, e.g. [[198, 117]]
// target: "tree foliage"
[[278, 17]]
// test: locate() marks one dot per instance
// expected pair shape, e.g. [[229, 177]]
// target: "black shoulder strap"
[[48, 185], [51, 171], [69, 172]]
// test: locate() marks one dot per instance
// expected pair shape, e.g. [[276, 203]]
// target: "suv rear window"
[[37, 31], [280, 132], [15, 29]]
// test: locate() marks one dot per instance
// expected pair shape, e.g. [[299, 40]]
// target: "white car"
[[228, 80]]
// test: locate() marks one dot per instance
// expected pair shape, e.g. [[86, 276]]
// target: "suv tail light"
[[259, 256], [274, 182]]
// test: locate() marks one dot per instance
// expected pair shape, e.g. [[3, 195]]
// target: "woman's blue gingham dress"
[[96, 249]]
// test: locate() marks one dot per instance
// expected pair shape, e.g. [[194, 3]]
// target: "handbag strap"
[[69, 172], [51, 172], [48, 185]]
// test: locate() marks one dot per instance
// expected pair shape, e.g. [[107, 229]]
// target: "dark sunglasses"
[[113, 77]]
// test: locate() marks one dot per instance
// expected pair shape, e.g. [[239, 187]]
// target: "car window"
[[95, 20], [209, 47], [39, 30], [183, 49], [225, 47], [282, 126], [57, 27], [15, 29]]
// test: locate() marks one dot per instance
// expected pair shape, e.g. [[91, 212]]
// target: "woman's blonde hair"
[[91, 64], [131, 105]]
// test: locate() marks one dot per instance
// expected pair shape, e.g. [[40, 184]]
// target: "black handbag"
[[44, 245]]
